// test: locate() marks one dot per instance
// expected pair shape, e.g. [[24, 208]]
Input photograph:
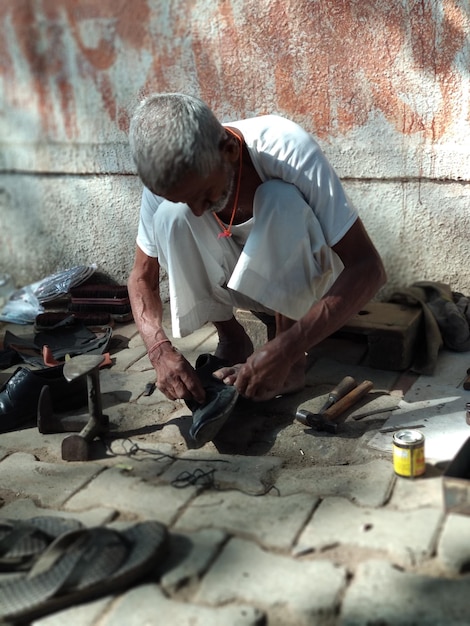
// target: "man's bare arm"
[[176, 377], [361, 278], [266, 370], [144, 294]]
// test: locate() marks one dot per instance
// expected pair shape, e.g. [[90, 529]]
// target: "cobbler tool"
[[326, 419], [344, 387], [76, 447]]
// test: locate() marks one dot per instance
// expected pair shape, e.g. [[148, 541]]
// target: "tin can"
[[408, 453]]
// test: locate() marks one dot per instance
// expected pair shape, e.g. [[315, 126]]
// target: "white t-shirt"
[[279, 149]]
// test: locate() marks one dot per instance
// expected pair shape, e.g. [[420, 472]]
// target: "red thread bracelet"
[[156, 345]]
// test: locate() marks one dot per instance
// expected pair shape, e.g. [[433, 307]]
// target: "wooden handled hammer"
[[326, 420]]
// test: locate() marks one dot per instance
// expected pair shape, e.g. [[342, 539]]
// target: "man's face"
[[209, 194]]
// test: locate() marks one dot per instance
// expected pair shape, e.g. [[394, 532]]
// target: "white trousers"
[[278, 261]]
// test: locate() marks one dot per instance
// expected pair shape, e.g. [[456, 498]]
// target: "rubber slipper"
[[209, 418], [23, 541], [83, 565]]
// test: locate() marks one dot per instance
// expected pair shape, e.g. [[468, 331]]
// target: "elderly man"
[[245, 215]]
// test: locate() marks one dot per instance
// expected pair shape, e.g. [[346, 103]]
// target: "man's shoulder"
[[149, 198], [261, 122], [271, 132]]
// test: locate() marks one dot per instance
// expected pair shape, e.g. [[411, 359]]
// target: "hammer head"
[[316, 421]]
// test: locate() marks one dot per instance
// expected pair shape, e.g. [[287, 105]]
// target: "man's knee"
[[171, 216], [278, 194]]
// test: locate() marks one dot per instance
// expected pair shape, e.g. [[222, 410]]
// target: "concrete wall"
[[383, 84]]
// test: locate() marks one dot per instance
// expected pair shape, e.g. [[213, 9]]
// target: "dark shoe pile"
[[61, 341], [99, 298]]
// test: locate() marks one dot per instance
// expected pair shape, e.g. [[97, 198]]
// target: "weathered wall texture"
[[383, 84]]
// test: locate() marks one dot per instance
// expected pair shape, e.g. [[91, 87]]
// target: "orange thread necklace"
[[227, 230]]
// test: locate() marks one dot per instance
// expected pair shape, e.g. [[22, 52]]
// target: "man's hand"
[[176, 378], [267, 373]]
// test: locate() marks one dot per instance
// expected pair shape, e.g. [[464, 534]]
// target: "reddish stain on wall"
[[334, 63], [42, 29]]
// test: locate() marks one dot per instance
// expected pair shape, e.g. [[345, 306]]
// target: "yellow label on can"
[[409, 462]]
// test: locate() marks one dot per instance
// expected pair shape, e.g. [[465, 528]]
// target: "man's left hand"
[[266, 374]]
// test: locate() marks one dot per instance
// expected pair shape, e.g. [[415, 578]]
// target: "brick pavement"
[[280, 528]]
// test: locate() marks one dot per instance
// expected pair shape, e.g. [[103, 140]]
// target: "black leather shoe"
[[19, 396], [209, 418]]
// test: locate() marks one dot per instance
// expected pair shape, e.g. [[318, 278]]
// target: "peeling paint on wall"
[[332, 63], [52, 49]]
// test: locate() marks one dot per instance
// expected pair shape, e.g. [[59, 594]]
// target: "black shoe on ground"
[[19, 396], [209, 418]]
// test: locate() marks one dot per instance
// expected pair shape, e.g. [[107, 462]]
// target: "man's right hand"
[[176, 378]]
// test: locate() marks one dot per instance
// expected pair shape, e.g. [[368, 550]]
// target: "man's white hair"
[[171, 135]]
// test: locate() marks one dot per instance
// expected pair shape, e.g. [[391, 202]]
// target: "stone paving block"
[[407, 536], [198, 341], [124, 332], [272, 521], [190, 555], [304, 593], [136, 341], [25, 509], [131, 420], [125, 359], [123, 386], [412, 494], [159, 401], [170, 427], [146, 605], [303, 447], [82, 615], [141, 365], [203, 340], [369, 484], [139, 457], [30, 440], [48, 484], [250, 474], [116, 489], [454, 544], [381, 594]]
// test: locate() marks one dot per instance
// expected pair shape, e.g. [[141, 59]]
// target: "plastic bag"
[[59, 284], [22, 307], [25, 304]]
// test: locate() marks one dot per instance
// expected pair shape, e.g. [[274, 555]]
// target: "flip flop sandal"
[[23, 541], [209, 418], [83, 565]]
